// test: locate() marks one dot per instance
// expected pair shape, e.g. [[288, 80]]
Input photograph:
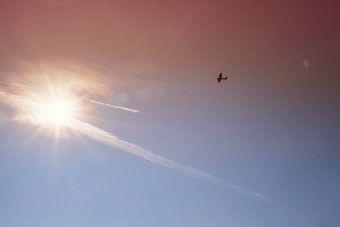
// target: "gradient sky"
[[273, 127]]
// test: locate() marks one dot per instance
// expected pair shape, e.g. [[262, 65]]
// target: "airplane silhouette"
[[221, 78]]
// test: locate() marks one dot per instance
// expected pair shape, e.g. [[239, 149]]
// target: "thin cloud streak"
[[13, 100], [113, 106], [111, 140], [90, 100], [15, 84], [107, 138]]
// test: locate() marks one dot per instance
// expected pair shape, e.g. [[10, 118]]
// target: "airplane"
[[221, 78]]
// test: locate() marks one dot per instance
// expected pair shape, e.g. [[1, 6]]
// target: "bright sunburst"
[[54, 109], [57, 112]]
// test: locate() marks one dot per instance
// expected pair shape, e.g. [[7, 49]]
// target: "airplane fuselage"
[[221, 78]]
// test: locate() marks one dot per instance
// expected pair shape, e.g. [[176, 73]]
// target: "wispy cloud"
[[113, 106], [111, 140], [90, 100], [15, 84]]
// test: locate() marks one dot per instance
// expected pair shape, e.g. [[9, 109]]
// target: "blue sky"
[[272, 127]]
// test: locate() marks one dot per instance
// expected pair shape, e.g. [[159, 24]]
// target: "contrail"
[[13, 100], [109, 139], [91, 100], [113, 141], [15, 84], [112, 106]]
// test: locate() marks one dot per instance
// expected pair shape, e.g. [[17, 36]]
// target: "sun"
[[57, 112], [53, 110]]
